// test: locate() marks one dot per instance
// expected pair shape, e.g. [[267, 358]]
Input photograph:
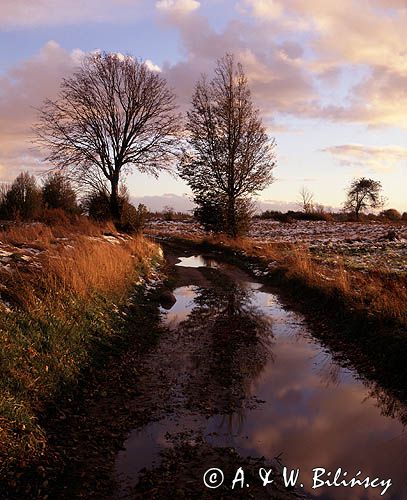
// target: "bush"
[[291, 216], [133, 219], [57, 193], [22, 200], [97, 205], [54, 217], [391, 214], [211, 212], [168, 213]]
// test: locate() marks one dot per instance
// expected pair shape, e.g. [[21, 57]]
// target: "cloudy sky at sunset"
[[330, 79]]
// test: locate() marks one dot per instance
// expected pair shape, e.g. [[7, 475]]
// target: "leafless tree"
[[306, 200], [230, 155], [112, 115], [362, 194]]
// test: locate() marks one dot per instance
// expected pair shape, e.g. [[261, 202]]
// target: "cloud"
[[347, 37], [375, 158], [276, 76], [151, 66], [265, 9], [26, 13], [22, 89], [177, 6], [158, 202]]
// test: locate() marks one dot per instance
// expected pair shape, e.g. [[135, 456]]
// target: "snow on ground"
[[358, 245]]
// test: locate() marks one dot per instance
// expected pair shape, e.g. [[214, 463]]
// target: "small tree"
[[57, 192], [229, 155], [391, 214], [97, 205], [362, 194], [306, 200], [23, 200], [113, 114]]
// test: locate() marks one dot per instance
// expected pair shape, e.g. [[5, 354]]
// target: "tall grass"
[[62, 312], [375, 294]]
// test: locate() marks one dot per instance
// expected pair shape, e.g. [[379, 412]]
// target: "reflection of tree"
[[389, 405], [330, 371], [231, 337]]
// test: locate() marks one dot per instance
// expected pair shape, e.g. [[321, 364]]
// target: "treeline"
[[389, 215], [55, 201]]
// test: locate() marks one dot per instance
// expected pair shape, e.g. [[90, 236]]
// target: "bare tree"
[[230, 154], [306, 200], [362, 194], [112, 115]]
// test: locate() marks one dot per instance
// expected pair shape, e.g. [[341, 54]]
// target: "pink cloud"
[[23, 89], [23, 13]]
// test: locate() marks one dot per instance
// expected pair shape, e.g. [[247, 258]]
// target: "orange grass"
[[63, 305], [378, 294]]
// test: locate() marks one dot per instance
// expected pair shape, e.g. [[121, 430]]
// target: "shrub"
[[391, 214], [133, 219], [211, 212], [22, 200], [292, 215], [57, 192], [54, 217], [97, 205], [168, 213]]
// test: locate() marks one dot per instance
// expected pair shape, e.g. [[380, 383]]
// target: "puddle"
[[248, 374], [197, 261]]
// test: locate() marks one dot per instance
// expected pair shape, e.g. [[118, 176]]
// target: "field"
[[356, 246]]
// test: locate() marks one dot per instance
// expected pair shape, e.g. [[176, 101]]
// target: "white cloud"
[[177, 6], [151, 66]]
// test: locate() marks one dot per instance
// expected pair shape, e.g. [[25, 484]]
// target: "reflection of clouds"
[[318, 425], [179, 311], [316, 414]]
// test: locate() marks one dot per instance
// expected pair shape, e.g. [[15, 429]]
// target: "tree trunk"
[[231, 217], [114, 200]]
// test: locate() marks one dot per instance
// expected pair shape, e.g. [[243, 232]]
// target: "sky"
[[329, 79]]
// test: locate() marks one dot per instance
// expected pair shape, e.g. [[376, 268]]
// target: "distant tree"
[[404, 216], [391, 214], [306, 200], [168, 213], [57, 192], [4, 189], [23, 200], [362, 194], [112, 115], [229, 153]]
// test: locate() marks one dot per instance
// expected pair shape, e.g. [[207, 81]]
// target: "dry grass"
[[43, 236], [379, 294], [63, 305], [76, 260]]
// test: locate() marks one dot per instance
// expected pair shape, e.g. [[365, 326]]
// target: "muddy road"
[[230, 377], [235, 369]]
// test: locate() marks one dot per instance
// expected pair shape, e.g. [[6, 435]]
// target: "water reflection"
[[236, 345], [230, 340]]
